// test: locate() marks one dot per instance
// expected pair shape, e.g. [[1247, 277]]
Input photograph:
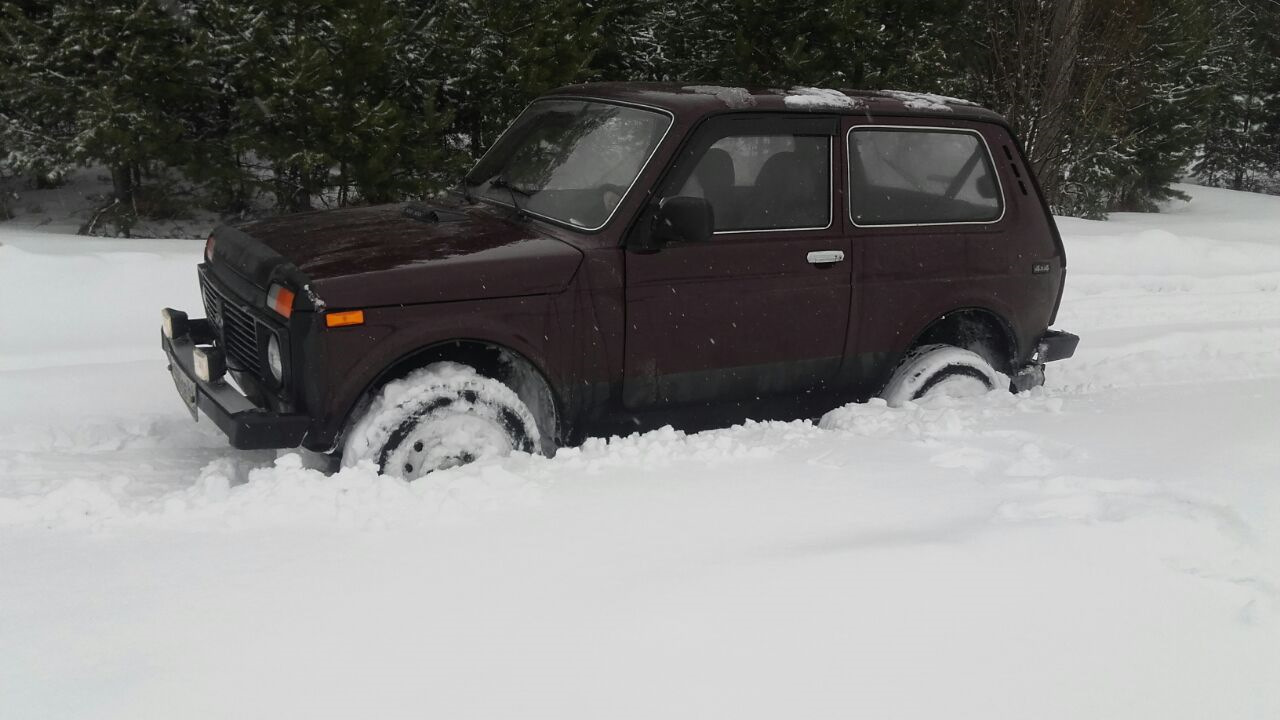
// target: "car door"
[[762, 308]]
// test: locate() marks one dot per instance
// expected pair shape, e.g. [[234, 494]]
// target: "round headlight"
[[274, 360]]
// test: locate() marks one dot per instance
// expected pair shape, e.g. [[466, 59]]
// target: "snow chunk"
[[313, 297], [812, 98], [734, 97], [926, 101]]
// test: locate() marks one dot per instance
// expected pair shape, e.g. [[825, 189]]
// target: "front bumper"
[[247, 426]]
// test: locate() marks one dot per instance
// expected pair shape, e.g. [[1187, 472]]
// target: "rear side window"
[[900, 176], [765, 182]]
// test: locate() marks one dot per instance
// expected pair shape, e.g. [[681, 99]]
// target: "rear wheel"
[[940, 371], [441, 416]]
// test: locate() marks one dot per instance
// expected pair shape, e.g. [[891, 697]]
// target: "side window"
[[765, 182], [917, 177]]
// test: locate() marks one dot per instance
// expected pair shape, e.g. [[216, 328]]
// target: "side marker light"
[[345, 318]]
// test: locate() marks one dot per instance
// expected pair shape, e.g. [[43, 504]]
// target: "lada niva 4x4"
[[628, 256]]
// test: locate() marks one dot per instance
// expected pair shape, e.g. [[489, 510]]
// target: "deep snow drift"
[[1107, 547]]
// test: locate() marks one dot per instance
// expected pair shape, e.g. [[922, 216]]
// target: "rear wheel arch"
[[976, 329], [489, 359]]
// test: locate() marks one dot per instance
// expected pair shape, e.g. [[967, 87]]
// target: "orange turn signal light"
[[345, 318], [280, 299]]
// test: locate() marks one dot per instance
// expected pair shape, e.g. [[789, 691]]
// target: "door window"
[[900, 176], [765, 182]]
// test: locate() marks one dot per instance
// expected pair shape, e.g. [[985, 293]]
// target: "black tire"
[[441, 416], [940, 369]]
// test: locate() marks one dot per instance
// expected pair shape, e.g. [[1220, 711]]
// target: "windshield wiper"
[[502, 182]]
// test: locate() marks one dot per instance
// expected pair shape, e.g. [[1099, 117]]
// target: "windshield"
[[569, 160]]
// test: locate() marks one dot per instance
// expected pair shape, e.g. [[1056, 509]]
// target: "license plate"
[[186, 387]]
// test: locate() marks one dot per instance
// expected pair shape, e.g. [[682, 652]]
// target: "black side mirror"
[[682, 219]]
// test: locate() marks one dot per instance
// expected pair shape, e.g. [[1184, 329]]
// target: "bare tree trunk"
[[1059, 74], [122, 185]]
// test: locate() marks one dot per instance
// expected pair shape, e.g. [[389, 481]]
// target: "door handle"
[[825, 257]]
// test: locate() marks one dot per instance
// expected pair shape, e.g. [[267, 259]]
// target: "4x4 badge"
[[1040, 268]]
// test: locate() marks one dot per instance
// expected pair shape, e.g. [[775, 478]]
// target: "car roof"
[[688, 100]]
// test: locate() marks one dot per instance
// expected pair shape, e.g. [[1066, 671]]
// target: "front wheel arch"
[[489, 359]]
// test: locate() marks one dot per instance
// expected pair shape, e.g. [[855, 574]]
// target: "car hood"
[[399, 255]]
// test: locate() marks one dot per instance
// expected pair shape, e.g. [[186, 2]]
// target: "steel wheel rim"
[[445, 442]]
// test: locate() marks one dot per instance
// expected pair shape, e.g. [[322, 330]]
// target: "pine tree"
[[126, 62], [340, 101], [328, 101], [1242, 129], [36, 119], [103, 82], [845, 43], [496, 56], [1166, 92], [217, 161]]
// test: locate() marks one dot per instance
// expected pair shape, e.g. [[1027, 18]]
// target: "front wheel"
[[439, 417], [940, 371]]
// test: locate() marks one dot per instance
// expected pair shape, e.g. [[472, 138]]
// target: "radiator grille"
[[237, 330]]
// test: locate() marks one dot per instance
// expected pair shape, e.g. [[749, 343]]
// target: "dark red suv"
[[633, 255]]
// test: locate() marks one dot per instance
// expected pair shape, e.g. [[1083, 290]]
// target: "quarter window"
[[765, 182], [921, 177]]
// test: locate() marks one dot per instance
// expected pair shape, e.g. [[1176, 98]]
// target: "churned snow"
[[1107, 546]]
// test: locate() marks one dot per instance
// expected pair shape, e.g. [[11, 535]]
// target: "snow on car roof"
[[694, 99], [734, 97], [810, 98], [925, 101]]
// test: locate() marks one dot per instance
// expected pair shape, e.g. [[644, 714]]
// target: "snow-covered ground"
[[1107, 547]]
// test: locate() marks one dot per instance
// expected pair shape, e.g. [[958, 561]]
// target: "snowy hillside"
[[1107, 547]]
